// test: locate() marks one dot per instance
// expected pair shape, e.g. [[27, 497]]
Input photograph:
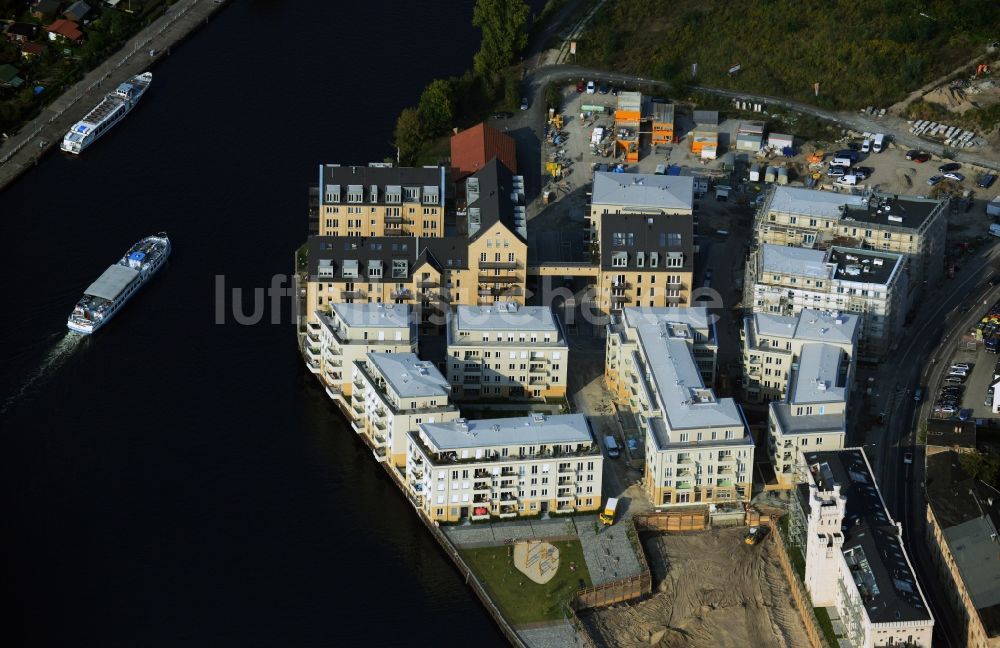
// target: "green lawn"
[[520, 599]]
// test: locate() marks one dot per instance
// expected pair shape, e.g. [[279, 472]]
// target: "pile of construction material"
[[953, 136]]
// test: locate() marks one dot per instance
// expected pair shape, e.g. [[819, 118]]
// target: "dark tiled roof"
[[494, 202], [891, 594], [382, 176], [954, 496], [444, 253], [649, 233]]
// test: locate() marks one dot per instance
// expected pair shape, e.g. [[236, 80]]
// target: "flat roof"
[[534, 429], [373, 315], [864, 266], [810, 202], [893, 210], [112, 282], [817, 379], [695, 316], [976, 550], [794, 260], [809, 324], [409, 376], [808, 423], [505, 317], [872, 545], [643, 191]]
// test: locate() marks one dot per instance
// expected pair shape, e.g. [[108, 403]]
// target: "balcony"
[[492, 279], [481, 474], [428, 283], [394, 219], [378, 439], [313, 352], [358, 406], [539, 369], [313, 336], [418, 487], [685, 459], [313, 327], [684, 485], [563, 481], [401, 294], [507, 487], [480, 518], [674, 299], [508, 514], [619, 299], [725, 483], [352, 294], [675, 285], [568, 468], [380, 453], [621, 285], [332, 391], [567, 507], [537, 380], [508, 472], [313, 366], [481, 487], [501, 265]]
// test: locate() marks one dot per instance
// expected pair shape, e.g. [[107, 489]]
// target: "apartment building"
[[345, 333], [855, 558], [638, 193], [963, 515], [475, 470], [909, 225], [698, 446], [872, 284], [772, 347], [646, 261], [382, 200], [393, 394], [506, 351], [482, 261]]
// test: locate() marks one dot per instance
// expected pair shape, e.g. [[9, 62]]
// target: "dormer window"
[[619, 259]]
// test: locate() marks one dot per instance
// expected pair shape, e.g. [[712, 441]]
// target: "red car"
[[921, 158], [580, 86]]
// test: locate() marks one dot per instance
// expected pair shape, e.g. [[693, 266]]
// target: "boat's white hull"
[[93, 326], [75, 148]]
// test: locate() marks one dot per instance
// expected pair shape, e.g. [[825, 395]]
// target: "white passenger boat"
[[118, 284], [106, 114]]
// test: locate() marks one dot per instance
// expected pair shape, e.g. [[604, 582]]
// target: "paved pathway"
[[23, 149], [607, 550], [495, 533]]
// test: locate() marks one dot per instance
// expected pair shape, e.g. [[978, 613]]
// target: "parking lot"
[[982, 367]]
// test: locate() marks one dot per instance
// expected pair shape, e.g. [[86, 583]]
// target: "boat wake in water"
[[53, 360]]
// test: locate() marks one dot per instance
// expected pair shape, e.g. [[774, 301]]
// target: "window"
[[673, 239], [619, 259]]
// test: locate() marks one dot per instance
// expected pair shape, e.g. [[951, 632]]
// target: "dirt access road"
[[714, 590]]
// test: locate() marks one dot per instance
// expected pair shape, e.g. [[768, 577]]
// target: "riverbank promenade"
[[23, 149]]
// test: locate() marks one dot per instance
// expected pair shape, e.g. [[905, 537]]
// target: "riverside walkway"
[[23, 149]]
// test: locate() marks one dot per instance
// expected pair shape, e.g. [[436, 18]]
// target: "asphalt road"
[[932, 335]]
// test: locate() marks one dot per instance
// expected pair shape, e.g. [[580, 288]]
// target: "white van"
[[841, 162], [847, 180], [612, 446], [995, 229], [879, 143], [866, 146]]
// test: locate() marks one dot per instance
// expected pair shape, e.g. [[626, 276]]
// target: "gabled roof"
[[643, 191], [66, 28], [497, 199], [45, 6], [8, 73], [472, 148], [635, 233], [77, 11]]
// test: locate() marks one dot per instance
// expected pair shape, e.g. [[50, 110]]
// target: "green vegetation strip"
[[826, 625], [519, 598]]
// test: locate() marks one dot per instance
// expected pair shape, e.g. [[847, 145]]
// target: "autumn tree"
[[504, 25]]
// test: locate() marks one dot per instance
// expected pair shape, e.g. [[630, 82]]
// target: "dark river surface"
[[176, 482]]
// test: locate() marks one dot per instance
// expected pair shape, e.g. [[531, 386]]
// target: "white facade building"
[[464, 469], [868, 283], [855, 558]]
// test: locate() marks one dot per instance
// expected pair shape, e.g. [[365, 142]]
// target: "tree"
[[437, 107], [504, 26], [981, 466], [409, 135]]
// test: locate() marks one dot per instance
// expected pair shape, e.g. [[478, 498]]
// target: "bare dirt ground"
[[713, 590]]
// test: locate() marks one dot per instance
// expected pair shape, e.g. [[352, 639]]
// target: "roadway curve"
[[894, 127]]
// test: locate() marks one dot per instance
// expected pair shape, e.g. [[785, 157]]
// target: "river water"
[[173, 481]]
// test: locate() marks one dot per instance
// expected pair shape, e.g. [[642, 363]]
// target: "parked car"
[[836, 172], [961, 365], [580, 86], [503, 115], [863, 172], [524, 103], [958, 372], [920, 158], [964, 414], [912, 154], [955, 379], [604, 89], [918, 394], [907, 457], [987, 181], [954, 175], [591, 87], [947, 409], [951, 166], [933, 180], [866, 146]]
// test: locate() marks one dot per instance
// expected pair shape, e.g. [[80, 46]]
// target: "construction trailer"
[[628, 116], [702, 138], [662, 117]]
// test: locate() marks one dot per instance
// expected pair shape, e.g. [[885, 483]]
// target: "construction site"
[[710, 588]]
